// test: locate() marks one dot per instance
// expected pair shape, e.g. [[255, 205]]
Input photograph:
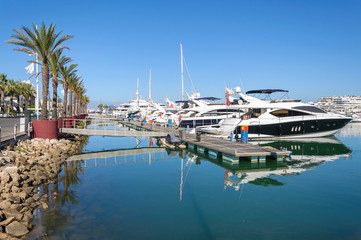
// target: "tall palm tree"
[[67, 72], [43, 42], [56, 60], [18, 93], [3, 82], [79, 92], [73, 83]]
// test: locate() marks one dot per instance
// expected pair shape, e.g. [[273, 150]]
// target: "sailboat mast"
[[150, 80], [137, 91], [182, 71]]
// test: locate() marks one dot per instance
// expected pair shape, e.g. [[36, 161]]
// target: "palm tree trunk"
[[71, 102], [55, 98], [11, 103], [18, 108], [65, 102], [76, 105], [2, 100], [45, 90]]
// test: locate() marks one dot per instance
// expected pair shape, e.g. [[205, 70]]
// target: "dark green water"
[[179, 195]]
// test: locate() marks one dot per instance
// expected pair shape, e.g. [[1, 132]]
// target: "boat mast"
[[137, 91], [150, 80], [182, 71]]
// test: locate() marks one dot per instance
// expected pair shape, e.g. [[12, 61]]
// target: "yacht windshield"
[[310, 109], [287, 113]]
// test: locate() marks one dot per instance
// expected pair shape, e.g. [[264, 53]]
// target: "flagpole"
[[37, 89]]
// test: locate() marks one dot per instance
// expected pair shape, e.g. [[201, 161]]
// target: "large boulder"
[[16, 229]]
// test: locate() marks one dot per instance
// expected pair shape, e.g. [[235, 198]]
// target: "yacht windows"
[[287, 113], [221, 112], [310, 109]]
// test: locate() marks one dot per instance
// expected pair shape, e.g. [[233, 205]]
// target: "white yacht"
[[283, 118], [288, 118]]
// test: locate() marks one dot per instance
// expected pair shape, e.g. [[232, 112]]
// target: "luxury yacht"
[[288, 119], [283, 118]]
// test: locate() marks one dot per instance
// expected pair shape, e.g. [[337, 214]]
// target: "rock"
[[44, 205], [15, 189], [16, 207], [16, 229], [3, 236], [28, 216], [5, 177], [22, 195], [11, 170], [5, 204], [14, 199], [7, 221], [13, 213]]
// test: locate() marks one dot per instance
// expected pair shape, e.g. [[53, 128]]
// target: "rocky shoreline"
[[22, 170]]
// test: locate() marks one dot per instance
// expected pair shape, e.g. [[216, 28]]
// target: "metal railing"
[[13, 131], [73, 123]]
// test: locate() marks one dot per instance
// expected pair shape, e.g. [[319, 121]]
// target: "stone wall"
[[30, 164]]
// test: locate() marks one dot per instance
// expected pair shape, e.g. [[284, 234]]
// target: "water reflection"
[[95, 198], [350, 130]]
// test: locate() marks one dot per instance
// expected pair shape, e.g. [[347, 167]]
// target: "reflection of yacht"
[[351, 130], [306, 154]]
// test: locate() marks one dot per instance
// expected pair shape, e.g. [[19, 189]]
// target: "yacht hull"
[[294, 129]]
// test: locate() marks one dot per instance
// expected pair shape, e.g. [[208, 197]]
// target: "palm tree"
[[100, 106], [3, 82], [73, 83], [27, 91], [43, 42], [18, 93], [79, 93], [67, 72], [56, 60], [10, 89]]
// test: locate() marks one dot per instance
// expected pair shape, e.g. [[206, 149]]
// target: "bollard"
[[182, 134], [244, 133], [29, 126], [198, 136], [15, 127]]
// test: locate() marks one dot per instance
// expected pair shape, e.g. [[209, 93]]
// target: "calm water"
[[179, 195]]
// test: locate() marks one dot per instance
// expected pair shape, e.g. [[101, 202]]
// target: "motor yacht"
[[284, 118], [288, 119]]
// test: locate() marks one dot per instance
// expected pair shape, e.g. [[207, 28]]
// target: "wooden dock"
[[229, 151], [232, 151]]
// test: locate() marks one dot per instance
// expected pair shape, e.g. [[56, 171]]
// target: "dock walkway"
[[218, 147]]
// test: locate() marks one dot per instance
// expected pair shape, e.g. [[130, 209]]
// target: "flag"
[[30, 69]]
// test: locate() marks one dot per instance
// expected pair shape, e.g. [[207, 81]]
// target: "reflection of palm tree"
[[56, 219], [70, 177]]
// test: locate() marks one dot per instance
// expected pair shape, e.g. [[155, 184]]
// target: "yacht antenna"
[[150, 80], [182, 71], [194, 90], [244, 90], [137, 91]]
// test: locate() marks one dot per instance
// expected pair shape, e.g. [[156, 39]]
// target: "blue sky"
[[312, 48]]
